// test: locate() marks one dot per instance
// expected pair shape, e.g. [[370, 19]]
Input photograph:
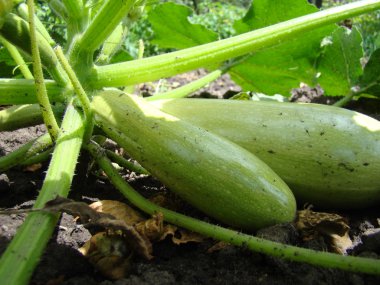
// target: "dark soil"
[[185, 264]]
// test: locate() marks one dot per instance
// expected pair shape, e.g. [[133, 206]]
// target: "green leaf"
[[264, 13], [278, 69], [370, 81], [172, 28], [339, 65]]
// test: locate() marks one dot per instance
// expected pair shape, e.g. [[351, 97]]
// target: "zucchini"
[[216, 176], [328, 156]]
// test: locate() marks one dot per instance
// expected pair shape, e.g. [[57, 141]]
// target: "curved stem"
[[17, 57], [24, 152], [207, 55], [325, 259], [345, 100], [43, 99], [23, 91], [21, 116], [189, 88]]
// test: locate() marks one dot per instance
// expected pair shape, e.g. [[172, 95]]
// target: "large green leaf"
[[264, 13], [339, 65], [278, 69], [172, 28], [370, 81]]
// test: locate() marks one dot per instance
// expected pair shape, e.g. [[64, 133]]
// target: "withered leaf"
[[109, 254], [108, 222], [332, 227]]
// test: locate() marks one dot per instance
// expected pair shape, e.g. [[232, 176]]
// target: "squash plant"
[[89, 91]]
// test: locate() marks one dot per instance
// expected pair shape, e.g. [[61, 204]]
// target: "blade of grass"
[[207, 55], [24, 251], [325, 259]]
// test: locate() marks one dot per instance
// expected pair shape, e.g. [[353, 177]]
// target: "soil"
[[189, 263]]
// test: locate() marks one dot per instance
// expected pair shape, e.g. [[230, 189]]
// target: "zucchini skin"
[[216, 176], [328, 156]]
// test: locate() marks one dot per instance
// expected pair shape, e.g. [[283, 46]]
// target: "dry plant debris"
[[332, 227]]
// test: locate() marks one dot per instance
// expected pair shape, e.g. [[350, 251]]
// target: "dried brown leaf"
[[119, 210], [109, 254], [332, 227], [32, 167]]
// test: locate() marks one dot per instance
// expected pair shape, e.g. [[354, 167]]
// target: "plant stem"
[[38, 158], [73, 8], [207, 55], [16, 31], [325, 259], [105, 21], [43, 99], [21, 116], [24, 152], [189, 88], [125, 163], [59, 9], [17, 58], [345, 100], [24, 252], [22, 10], [83, 98], [23, 91]]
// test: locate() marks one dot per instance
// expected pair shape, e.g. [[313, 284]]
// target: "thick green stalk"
[[325, 259], [58, 8], [16, 31], [23, 91], [41, 92], [24, 251], [24, 152], [17, 57], [73, 8], [22, 10], [21, 116], [207, 55], [112, 44], [189, 88], [104, 23]]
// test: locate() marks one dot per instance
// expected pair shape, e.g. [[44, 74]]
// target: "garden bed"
[[190, 263]]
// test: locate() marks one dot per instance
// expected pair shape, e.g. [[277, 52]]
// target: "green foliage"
[[278, 69], [339, 65], [7, 65], [175, 30], [370, 81], [218, 16]]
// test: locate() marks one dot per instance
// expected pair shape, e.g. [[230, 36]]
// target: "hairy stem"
[[325, 259], [24, 152], [21, 116], [26, 248], [23, 91], [42, 96]]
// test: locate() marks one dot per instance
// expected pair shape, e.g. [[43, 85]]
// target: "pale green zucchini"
[[328, 156], [218, 177]]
